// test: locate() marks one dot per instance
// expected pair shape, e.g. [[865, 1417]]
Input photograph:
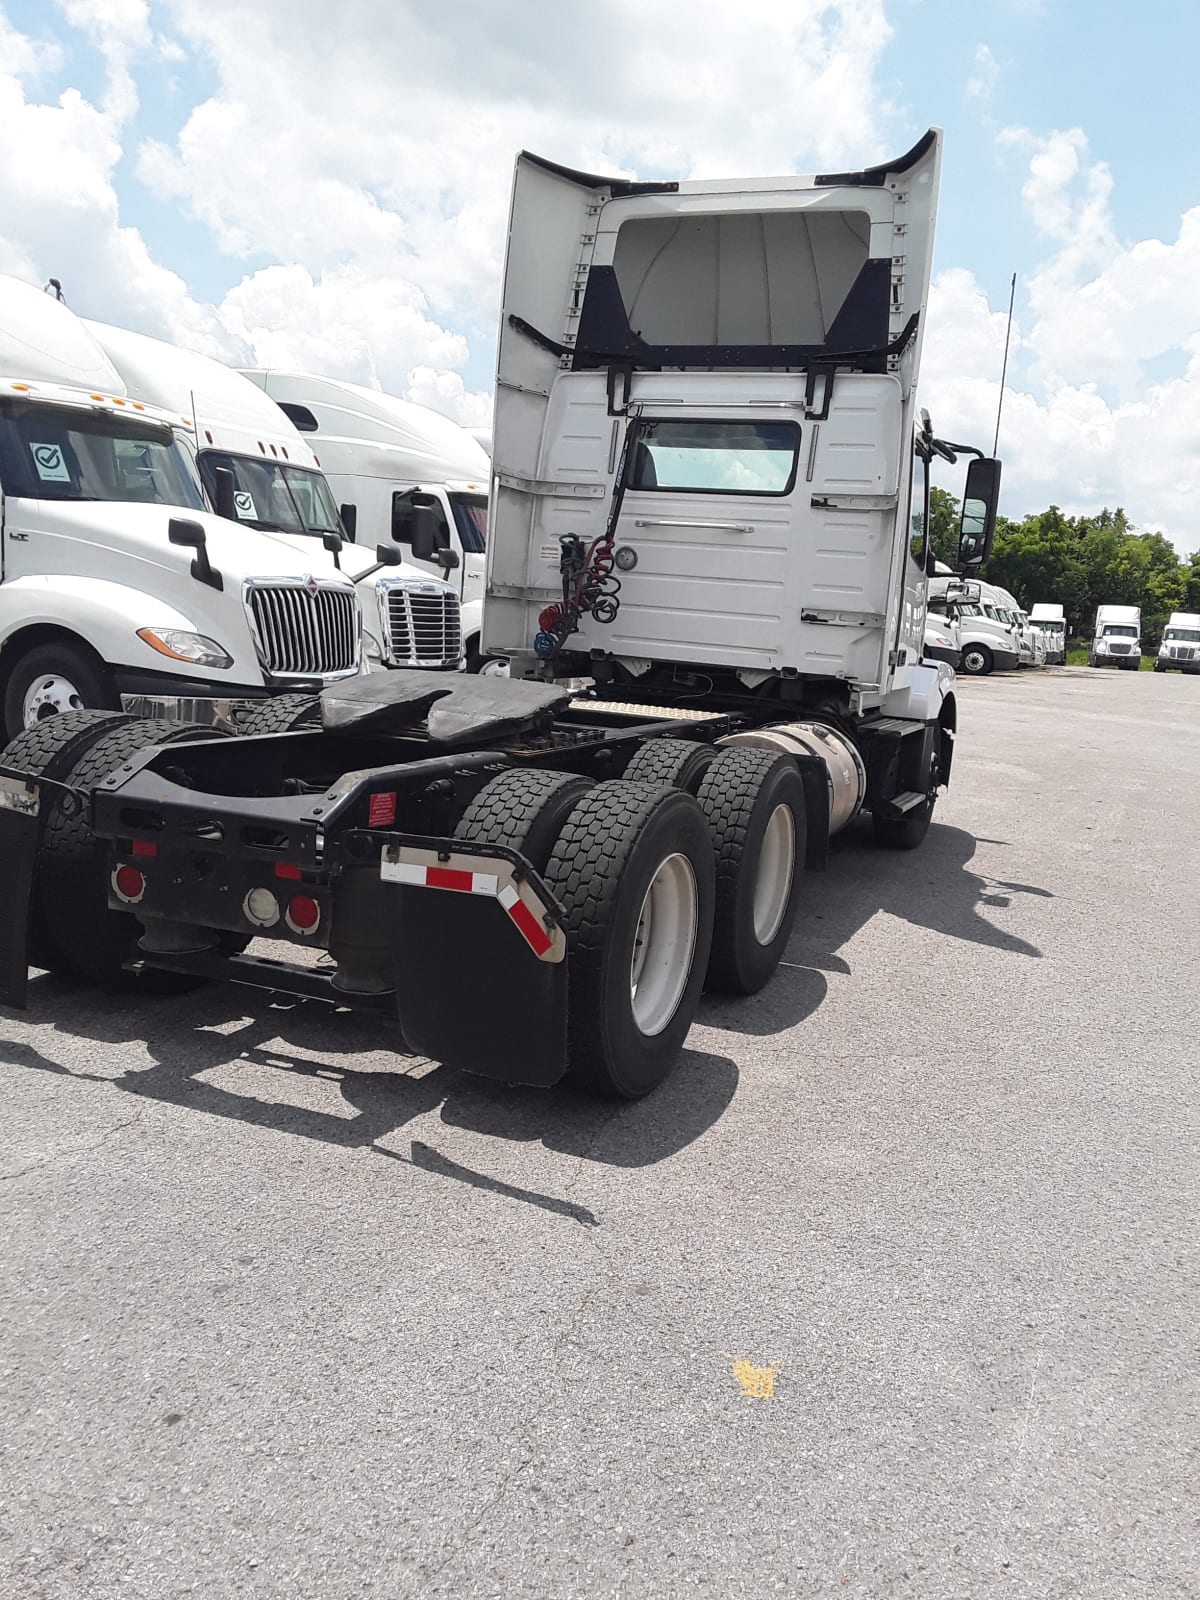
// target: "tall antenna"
[[1012, 296]]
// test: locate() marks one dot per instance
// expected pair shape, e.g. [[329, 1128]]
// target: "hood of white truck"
[[125, 541]]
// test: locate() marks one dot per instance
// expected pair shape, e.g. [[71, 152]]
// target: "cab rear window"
[[712, 457]]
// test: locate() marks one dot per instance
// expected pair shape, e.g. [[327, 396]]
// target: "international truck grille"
[[1119, 649], [1182, 653], [305, 630], [424, 629]]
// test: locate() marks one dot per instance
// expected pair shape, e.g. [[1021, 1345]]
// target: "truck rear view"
[[706, 425]]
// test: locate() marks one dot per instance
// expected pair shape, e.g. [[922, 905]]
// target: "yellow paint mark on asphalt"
[[757, 1382]]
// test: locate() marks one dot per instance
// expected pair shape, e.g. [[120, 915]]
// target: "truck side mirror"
[[426, 520], [447, 559], [981, 499], [349, 516], [190, 535], [387, 555], [223, 492]]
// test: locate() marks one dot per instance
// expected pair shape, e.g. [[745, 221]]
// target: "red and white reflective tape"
[[531, 930], [521, 905], [443, 878]]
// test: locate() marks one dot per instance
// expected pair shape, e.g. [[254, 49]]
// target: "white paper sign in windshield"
[[48, 459], [243, 504]]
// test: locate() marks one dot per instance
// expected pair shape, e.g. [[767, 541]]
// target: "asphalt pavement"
[[891, 1291]]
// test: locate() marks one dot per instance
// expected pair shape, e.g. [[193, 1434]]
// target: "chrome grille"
[[305, 631], [422, 625]]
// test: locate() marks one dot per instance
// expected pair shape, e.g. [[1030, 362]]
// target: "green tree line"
[[1080, 562]]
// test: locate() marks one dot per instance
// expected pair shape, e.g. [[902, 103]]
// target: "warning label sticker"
[[48, 459], [550, 553]]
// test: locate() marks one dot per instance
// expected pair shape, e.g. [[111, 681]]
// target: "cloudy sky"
[[325, 185]]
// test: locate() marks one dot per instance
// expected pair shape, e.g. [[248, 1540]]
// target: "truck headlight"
[[194, 648]]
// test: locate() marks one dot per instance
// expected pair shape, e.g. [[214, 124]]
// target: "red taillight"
[[129, 884], [285, 869], [303, 914], [144, 847]]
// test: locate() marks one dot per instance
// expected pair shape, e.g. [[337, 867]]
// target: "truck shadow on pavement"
[[932, 888], [278, 1064]]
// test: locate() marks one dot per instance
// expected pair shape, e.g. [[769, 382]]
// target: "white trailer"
[[274, 480], [405, 469], [117, 585]]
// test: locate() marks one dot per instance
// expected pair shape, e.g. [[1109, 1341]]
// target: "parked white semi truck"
[[986, 642], [260, 472], [117, 585], [1117, 640], [706, 421], [1051, 619], [1180, 647], [393, 460]]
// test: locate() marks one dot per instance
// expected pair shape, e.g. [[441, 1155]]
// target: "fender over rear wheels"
[[633, 870]]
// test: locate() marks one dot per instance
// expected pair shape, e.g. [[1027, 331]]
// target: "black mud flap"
[[480, 958], [472, 994], [20, 834]]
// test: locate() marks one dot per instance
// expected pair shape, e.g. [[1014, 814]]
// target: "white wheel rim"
[[973, 661], [49, 697], [664, 945], [776, 869]]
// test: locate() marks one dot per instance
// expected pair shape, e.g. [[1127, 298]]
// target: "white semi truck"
[[273, 480], [1052, 620], [1180, 647], [117, 584], [987, 643], [1117, 640], [390, 458], [705, 431]]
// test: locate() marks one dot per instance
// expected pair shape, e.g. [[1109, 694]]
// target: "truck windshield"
[[470, 518], [1119, 631], [274, 494], [66, 453], [1183, 635]]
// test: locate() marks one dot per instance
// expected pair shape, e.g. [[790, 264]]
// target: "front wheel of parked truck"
[[976, 660], [52, 679], [633, 870]]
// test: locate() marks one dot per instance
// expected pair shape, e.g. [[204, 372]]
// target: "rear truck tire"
[[286, 713], [681, 763], [91, 942], [524, 811], [976, 660], [633, 871], [758, 819], [51, 748], [908, 831], [52, 679]]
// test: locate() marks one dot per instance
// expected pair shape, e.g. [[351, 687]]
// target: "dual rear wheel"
[[667, 890]]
